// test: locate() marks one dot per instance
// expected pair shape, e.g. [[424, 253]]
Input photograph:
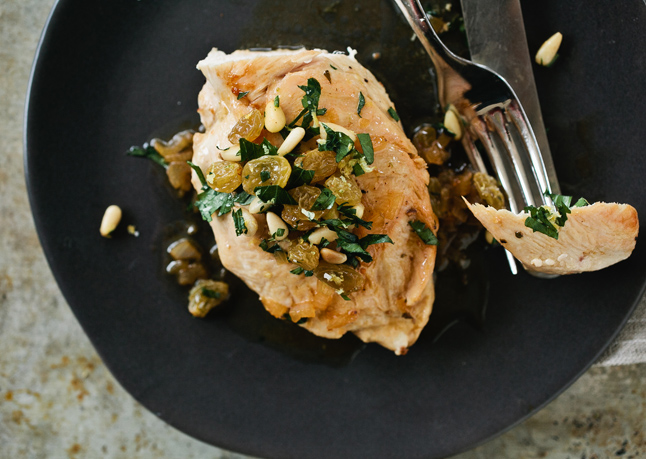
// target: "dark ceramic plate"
[[109, 74]]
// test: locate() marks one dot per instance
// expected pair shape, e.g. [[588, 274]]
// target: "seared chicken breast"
[[593, 237], [394, 304]]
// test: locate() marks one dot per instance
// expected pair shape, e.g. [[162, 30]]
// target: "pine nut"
[[452, 123], [336, 127], [250, 222], [291, 141], [333, 257], [257, 206], [274, 117], [110, 221], [322, 233], [275, 224], [547, 52], [231, 154], [359, 209]]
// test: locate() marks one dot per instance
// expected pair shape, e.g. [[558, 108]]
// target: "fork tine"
[[478, 164], [519, 119], [501, 124]]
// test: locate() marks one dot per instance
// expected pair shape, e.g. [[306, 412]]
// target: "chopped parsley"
[[324, 201], [242, 94], [310, 102], [393, 114], [351, 214], [299, 177], [238, 221], [264, 176], [273, 194], [250, 150], [362, 102], [243, 198], [277, 101], [337, 142], [148, 152], [273, 248], [210, 201], [424, 232], [333, 67], [300, 270], [366, 145], [539, 221], [211, 293], [358, 170], [352, 246], [543, 220]]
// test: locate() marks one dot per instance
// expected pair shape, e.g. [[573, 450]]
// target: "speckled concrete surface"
[[57, 400]]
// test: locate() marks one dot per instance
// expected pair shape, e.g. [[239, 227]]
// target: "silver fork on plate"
[[492, 113]]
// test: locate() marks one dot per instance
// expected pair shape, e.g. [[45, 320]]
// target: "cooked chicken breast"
[[593, 237], [396, 299]]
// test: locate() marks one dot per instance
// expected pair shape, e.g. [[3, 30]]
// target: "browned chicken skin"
[[396, 299]]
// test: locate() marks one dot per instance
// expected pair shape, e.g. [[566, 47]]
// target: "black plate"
[[110, 73]]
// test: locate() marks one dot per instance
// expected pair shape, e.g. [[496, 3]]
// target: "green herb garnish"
[[324, 201], [362, 102], [366, 145], [264, 176], [273, 194], [243, 198], [273, 248], [337, 142], [276, 101], [148, 152], [352, 246], [424, 232], [539, 221], [242, 94], [211, 293], [539, 218], [250, 150], [238, 221], [299, 177], [358, 170], [297, 271], [393, 114], [210, 201]]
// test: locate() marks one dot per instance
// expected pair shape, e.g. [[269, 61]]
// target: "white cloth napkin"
[[630, 346]]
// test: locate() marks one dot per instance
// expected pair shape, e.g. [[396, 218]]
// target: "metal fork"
[[492, 113]]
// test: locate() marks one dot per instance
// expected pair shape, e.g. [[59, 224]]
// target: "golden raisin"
[[224, 176], [265, 171], [304, 255], [345, 189], [293, 215], [488, 190], [206, 295], [323, 163], [342, 278], [248, 127]]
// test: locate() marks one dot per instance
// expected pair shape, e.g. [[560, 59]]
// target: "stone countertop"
[[58, 400]]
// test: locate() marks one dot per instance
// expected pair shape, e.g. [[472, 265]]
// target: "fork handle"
[[416, 17]]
